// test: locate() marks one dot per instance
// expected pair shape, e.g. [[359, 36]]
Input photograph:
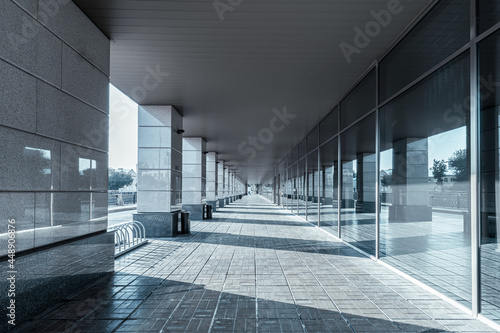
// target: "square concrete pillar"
[[212, 180], [410, 198], [347, 184], [365, 183], [230, 186], [159, 169], [220, 183], [193, 176], [226, 185]]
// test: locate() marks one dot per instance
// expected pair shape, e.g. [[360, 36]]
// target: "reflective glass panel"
[[302, 189], [312, 187], [303, 148], [329, 186], [440, 33], [359, 101], [488, 14], [329, 126], [489, 70], [424, 181], [358, 185], [312, 139], [294, 188]]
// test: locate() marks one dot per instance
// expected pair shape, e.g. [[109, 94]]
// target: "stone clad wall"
[[54, 88]]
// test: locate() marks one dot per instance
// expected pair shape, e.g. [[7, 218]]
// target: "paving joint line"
[[185, 292]]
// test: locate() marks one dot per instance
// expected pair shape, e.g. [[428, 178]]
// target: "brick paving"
[[252, 268]]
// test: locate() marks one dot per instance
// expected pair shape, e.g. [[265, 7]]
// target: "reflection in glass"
[[360, 101], [289, 189], [93, 173], [292, 190], [84, 173], [358, 185], [329, 126], [489, 14], [489, 51], [329, 186], [440, 33], [313, 139], [312, 187], [424, 181], [302, 188], [38, 167]]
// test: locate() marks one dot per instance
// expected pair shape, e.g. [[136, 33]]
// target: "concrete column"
[[159, 170], [226, 185], [193, 176], [212, 180], [347, 185], [365, 183], [220, 184], [232, 186], [410, 199]]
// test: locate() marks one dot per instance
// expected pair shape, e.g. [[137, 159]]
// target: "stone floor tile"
[[252, 268]]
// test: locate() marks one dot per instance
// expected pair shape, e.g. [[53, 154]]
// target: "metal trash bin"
[[205, 214], [185, 222], [209, 211]]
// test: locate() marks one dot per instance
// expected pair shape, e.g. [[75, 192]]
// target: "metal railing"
[[449, 200], [128, 198], [128, 236]]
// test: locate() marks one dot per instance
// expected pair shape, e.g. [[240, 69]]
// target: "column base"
[[214, 205], [227, 201], [195, 210], [159, 224], [221, 203], [410, 213], [347, 203]]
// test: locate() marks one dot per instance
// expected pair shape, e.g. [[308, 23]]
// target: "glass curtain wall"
[[329, 186], [294, 188], [489, 106], [282, 184], [289, 188], [302, 187], [312, 195], [425, 162], [421, 91], [358, 185]]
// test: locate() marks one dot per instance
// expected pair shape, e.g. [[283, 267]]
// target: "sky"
[[122, 130], [441, 147]]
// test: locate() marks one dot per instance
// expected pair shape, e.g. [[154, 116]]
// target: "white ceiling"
[[226, 76]]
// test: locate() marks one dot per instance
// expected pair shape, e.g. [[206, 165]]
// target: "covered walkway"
[[254, 267]]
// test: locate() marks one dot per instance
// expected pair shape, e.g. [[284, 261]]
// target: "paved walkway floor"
[[253, 268]]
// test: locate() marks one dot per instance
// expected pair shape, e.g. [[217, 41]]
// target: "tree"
[[459, 163], [386, 179], [438, 170], [117, 180]]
